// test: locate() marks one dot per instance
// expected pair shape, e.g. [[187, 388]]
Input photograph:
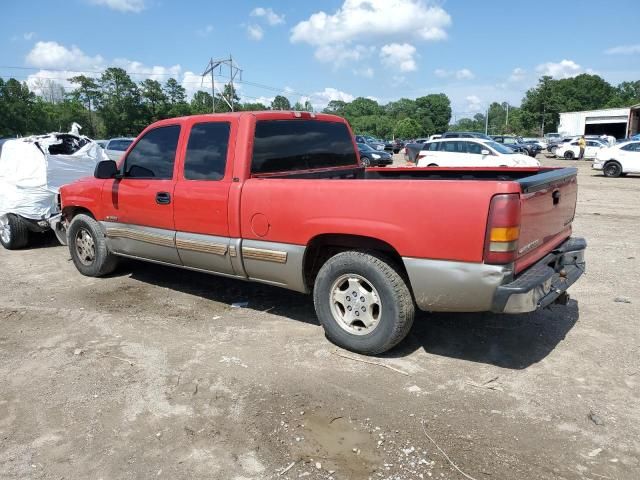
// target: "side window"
[[433, 147], [631, 147], [154, 154], [290, 145], [454, 147], [119, 145], [509, 141], [474, 148], [206, 157]]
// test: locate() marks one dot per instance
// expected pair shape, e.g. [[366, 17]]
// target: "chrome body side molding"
[[276, 263], [143, 242]]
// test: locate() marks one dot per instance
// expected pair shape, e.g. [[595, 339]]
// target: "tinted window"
[[284, 145], [433, 147], [207, 151], [475, 148], [154, 154], [631, 147], [120, 145], [454, 147], [509, 141]]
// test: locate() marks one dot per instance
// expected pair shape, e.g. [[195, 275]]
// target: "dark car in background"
[[393, 146], [466, 135], [518, 145], [372, 142], [373, 158]]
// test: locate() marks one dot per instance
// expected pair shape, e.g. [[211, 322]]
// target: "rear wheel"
[[14, 233], [88, 247], [432, 165], [569, 155], [365, 161], [363, 302], [612, 169]]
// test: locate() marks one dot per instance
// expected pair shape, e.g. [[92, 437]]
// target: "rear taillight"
[[503, 229]]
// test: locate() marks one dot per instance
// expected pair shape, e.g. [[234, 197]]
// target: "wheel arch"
[[71, 211], [323, 246]]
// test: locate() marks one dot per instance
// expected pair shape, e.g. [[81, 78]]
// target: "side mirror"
[[485, 152], [106, 169]]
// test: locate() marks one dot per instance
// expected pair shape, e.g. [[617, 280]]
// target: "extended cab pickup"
[[282, 198]]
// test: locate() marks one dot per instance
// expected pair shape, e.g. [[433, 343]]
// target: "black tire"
[[365, 161], [612, 169], [16, 235], [568, 155], [432, 165], [396, 306], [101, 261]]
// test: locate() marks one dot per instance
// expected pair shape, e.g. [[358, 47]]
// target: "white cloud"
[[474, 104], [465, 74], [517, 75], [255, 32], [269, 15], [55, 55], [366, 72], [562, 69], [134, 6], [624, 50], [374, 21], [28, 35], [322, 98], [341, 54], [462, 74], [400, 56], [204, 32]]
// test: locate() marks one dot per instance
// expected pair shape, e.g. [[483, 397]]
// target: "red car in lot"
[[282, 198]]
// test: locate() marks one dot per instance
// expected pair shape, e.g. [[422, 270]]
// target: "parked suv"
[[466, 135], [471, 152], [116, 147], [518, 144]]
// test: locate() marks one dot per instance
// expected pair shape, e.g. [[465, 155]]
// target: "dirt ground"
[[151, 373]]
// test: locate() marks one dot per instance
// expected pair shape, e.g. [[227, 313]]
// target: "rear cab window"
[[294, 145]]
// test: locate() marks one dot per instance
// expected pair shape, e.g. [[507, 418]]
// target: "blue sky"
[[475, 51]]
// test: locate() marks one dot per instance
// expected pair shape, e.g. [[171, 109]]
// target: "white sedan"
[[471, 152], [619, 159], [571, 150]]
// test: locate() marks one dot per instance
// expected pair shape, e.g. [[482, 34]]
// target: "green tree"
[[403, 108], [88, 93], [308, 106], [336, 107], [298, 106], [376, 125], [120, 103], [226, 99], [433, 112], [280, 103], [407, 128], [20, 110], [154, 100], [176, 97], [254, 107], [361, 107], [202, 102]]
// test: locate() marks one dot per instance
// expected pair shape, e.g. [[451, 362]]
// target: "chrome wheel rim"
[[355, 304], [85, 247], [5, 229]]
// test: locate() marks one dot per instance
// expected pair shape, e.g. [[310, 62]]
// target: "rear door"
[[630, 158], [453, 153], [138, 208], [592, 148], [202, 197]]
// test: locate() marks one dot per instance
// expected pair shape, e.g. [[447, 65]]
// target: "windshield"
[[498, 147], [365, 147]]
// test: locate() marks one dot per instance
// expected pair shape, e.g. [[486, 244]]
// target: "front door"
[[202, 197], [138, 215]]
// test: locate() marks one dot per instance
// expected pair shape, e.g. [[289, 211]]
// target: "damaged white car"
[[32, 170]]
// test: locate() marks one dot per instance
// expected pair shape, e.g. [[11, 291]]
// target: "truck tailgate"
[[548, 204]]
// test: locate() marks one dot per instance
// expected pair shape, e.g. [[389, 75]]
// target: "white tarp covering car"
[[32, 170]]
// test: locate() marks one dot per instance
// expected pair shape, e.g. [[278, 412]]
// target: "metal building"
[[617, 122]]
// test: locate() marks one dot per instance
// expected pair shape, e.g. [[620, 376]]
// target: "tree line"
[[114, 105]]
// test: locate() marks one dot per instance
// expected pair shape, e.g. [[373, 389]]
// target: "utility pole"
[[544, 111], [507, 114], [234, 71], [486, 123]]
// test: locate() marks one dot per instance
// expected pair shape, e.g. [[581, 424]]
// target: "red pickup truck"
[[282, 198]]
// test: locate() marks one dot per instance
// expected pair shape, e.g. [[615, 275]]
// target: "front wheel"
[[365, 161], [568, 155], [14, 233], [88, 247], [363, 302], [612, 169]]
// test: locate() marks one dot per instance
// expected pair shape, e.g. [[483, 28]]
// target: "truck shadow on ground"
[[507, 341]]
